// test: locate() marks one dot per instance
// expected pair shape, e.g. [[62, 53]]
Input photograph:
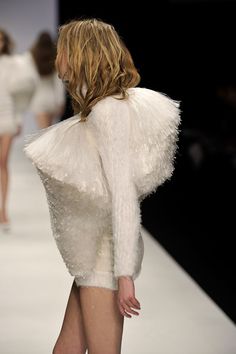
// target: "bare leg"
[[72, 337], [5, 146], [103, 321], [44, 120]]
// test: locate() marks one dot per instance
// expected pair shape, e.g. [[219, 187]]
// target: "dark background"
[[187, 50]]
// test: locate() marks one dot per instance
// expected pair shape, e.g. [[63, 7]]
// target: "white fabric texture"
[[7, 115], [49, 95], [17, 84], [101, 169], [114, 139]]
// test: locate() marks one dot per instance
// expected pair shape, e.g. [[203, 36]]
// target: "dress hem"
[[100, 279]]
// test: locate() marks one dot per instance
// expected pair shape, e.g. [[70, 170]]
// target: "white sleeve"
[[126, 217]]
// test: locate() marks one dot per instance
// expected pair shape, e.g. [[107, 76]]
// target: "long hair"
[[96, 59], [44, 54], [8, 43]]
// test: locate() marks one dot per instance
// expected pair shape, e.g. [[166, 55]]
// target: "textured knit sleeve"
[[126, 215]]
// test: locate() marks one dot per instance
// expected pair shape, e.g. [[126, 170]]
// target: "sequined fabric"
[[96, 173], [83, 235]]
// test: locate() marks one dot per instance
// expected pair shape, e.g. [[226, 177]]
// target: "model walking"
[[49, 99], [17, 83], [96, 168]]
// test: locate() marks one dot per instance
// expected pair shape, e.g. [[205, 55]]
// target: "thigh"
[[72, 337], [103, 321], [5, 146]]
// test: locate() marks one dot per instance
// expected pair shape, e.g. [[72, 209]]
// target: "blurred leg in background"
[[5, 147]]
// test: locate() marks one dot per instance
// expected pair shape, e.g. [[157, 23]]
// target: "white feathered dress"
[[95, 174]]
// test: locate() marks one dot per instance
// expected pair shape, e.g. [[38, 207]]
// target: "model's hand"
[[126, 297]]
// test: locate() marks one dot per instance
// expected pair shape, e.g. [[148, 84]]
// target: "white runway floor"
[[177, 316]]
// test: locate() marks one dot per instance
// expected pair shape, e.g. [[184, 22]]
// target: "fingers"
[[130, 310], [135, 303], [130, 304], [122, 311], [125, 307], [126, 310]]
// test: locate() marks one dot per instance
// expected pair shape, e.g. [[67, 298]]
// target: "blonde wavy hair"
[[96, 59]]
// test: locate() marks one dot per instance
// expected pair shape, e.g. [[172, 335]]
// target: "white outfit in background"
[[96, 173], [49, 95], [17, 85]]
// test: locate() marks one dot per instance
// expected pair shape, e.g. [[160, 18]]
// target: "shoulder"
[[139, 100], [151, 97], [6, 60], [143, 110], [135, 95], [24, 62], [154, 106], [109, 111], [26, 58], [16, 62], [110, 103]]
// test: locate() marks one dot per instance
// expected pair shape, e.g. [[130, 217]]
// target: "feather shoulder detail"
[[64, 152], [155, 122]]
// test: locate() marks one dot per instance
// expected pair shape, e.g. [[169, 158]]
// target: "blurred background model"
[[48, 101], [17, 85]]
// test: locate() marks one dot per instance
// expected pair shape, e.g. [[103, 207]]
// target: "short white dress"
[[49, 95], [96, 173], [17, 85], [83, 234]]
